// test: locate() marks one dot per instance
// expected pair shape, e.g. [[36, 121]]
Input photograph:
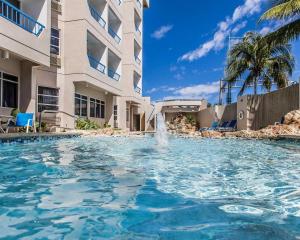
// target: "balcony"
[[137, 89], [114, 35], [137, 52], [113, 66], [97, 16], [137, 83], [96, 64], [113, 74], [138, 60], [96, 53], [114, 26], [137, 22], [20, 18]]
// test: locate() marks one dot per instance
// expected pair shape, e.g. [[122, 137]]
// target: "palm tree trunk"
[[255, 86]]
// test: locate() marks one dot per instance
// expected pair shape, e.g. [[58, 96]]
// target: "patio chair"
[[214, 126], [3, 124], [223, 126], [22, 120], [231, 126]]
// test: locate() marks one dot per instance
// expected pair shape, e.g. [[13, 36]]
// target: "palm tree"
[[259, 63], [287, 11]]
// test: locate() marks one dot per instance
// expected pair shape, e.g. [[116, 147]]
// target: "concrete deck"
[[30, 137]]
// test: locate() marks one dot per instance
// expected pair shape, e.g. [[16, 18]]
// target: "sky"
[[185, 45]]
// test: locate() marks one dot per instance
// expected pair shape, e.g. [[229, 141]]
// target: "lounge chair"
[[231, 126], [213, 127], [22, 120], [223, 126], [3, 122]]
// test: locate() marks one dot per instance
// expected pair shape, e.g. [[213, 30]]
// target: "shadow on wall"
[[267, 109]]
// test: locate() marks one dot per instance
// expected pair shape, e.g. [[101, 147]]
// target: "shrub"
[[190, 119], [86, 124], [14, 112]]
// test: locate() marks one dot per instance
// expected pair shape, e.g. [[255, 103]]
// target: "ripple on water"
[[120, 188]]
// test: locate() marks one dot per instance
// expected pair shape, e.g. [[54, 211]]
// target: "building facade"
[[74, 57]]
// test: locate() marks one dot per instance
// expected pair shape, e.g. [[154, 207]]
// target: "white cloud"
[[195, 91], [229, 25], [162, 31]]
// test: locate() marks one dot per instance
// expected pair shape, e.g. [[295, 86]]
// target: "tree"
[[287, 11], [259, 63]]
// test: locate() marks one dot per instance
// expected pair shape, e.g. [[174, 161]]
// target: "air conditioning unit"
[[56, 6], [55, 61]]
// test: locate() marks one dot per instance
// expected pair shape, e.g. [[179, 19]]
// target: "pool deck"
[[30, 137]]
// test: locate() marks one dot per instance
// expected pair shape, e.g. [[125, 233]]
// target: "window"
[[127, 115], [115, 116], [102, 115], [97, 108], [47, 99], [80, 105], [9, 85], [54, 45]]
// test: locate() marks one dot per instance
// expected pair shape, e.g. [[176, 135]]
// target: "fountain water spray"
[[161, 135]]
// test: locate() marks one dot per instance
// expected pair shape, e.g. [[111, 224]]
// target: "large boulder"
[[211, 134], [292, 118]]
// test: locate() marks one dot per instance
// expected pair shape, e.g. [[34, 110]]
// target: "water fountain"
[[161, 134]]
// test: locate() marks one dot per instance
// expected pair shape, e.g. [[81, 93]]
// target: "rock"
[[292, 118], [211, 134]]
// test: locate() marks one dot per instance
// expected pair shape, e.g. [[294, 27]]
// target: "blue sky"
[[185, 44]]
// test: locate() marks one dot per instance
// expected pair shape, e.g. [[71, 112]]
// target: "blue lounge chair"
[[214, 126], [22, 120], [231, 126], [223, 125]]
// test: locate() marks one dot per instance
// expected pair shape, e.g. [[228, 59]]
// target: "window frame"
[[57, 47], [2, 89], [45, 95], [81, 98]]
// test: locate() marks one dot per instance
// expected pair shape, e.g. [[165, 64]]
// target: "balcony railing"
[[114, 35], [138, 30], [112, 74], [96, 64], [138, 60], [97, 17], [137, 89], [21, 19]]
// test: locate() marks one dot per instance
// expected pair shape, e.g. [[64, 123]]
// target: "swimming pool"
[[129, 188]]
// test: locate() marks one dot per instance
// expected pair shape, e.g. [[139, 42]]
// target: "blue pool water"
[[129, 188]]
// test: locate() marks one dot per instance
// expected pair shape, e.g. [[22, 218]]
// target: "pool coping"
[[289, 137], [31, 137]]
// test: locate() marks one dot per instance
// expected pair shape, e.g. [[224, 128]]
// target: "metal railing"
[[114, 35], [96, 64], [137, 89], [138, 30], [138, 60], [20, 18], [54, 111], [97, 16], [112, 74]]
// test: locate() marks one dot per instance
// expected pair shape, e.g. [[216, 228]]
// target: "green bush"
[[190, 119], [14, 112], [86, 124]]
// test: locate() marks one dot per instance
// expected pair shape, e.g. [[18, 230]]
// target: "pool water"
[[130, 188]]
